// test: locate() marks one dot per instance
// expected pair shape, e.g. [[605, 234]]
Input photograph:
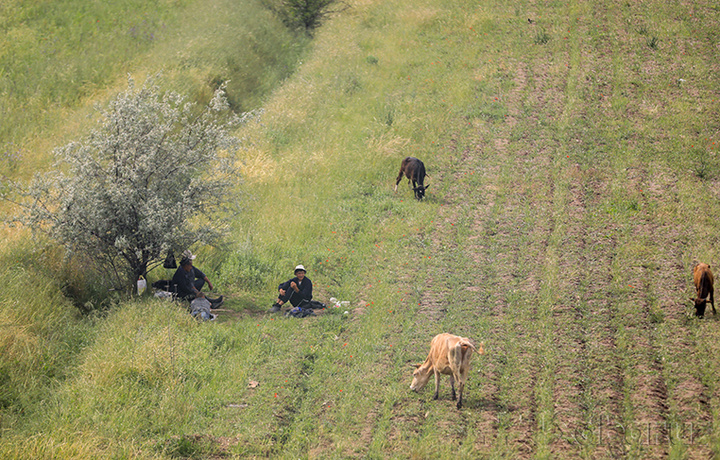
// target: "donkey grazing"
[[414, 170]]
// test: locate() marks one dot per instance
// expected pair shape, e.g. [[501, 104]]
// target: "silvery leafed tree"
[[154, 176]]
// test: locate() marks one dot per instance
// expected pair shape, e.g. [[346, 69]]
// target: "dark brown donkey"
[[414, 170]]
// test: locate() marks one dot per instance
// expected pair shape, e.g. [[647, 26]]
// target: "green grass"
[[572, 184], [60, 58]]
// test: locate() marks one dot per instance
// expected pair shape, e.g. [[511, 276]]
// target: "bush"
[[307, 14]]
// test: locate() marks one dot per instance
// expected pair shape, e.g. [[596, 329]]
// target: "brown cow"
[[414, 170], [703, 278], [450, 355]]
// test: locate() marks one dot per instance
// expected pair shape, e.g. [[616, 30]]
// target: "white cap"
[[300, 267], [188, 255]]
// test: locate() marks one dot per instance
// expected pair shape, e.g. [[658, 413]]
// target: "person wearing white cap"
[[189, 280], [296, 290]]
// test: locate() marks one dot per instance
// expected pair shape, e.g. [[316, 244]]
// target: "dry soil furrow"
[[511, 234], [674, 387], [604, 380], [567, 321], [590, 381], [588, 388]]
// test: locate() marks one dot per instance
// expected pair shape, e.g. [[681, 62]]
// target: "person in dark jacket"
[[189, 280], [296, 290]]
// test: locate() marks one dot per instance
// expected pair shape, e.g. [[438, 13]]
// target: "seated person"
[[296, 290], [189, 280]]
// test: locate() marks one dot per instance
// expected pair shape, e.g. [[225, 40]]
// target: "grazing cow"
[[414, 170], [703, 278], [450, 355]]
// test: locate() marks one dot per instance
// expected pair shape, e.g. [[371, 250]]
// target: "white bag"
[[141, 285]]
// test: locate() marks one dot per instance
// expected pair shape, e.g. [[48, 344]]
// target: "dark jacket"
[[304, 293], [185, 281]]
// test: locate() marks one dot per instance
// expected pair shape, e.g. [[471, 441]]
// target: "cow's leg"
[[461, 387], [399, 178], [712, 300], [437, 385], [452, 386]]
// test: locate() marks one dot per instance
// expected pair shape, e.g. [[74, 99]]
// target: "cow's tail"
[[705, 283], [466, 344], [705, 279]]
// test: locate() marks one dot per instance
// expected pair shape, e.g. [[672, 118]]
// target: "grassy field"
[[574, 180], [60, 58]]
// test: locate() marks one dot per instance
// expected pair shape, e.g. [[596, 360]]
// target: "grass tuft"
[[652, 42], [703, 164], [541, 37]]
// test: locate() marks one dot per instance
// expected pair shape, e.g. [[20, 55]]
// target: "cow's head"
[[420, 191], [421, 376]]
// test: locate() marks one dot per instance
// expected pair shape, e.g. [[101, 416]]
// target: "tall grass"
[[56, 55], [59, 58], [41, 332]]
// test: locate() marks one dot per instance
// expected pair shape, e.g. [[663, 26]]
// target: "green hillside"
[[574, 176]]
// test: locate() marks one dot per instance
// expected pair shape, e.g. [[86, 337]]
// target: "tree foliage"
[[308, 14], [154, 176]]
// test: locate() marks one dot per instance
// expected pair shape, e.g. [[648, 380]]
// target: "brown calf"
[[414, 170], [703, 278], [449, 355]]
